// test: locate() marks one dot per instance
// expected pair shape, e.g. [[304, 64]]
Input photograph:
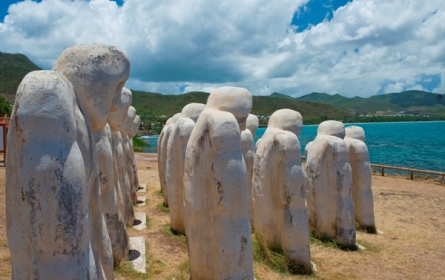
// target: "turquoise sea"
[[417, 144]]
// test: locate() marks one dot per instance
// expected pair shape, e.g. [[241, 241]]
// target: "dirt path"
[[410, 213]]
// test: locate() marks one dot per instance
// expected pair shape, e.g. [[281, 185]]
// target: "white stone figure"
[[361, 178], [279, 193], [248, 147], [252, 124], [177, 142], [97, 73], [54, 210], [110, 200], [215, 185], [162, 154], [132, 133], [121, 179], [126, 128], [47, 199], [329, 186], [249, 156]]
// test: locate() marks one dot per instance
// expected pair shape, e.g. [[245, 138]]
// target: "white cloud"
[[174, 46]]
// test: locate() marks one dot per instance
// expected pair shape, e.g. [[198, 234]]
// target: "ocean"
[[417, 144]]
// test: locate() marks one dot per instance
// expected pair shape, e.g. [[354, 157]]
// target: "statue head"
[[252, 124], [355, 132], [116, 118], [135, 126], [173, 119], [127, 124], [98, 73], [333, 128], [287, 119], [192, 110], [235, 100]]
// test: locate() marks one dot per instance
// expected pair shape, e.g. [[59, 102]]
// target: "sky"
[[295, 47]]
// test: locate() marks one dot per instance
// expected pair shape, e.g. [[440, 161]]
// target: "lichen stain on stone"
[[242, 251], [219, 187], [69, 211]]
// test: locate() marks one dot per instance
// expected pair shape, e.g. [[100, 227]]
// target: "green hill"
[[314, 107], [150, 104], [13, 67], [276, 94], [426, 102]]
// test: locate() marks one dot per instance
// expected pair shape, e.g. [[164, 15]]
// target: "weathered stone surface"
[[162, 154], [361, 178], [125, 130], [56, 229], [252, 124], [176, 145], [47, 198], [329, 186], [279, 193], [215, 198], [248, 155], [110, 201], [97, 73], [122, 182], [134, 176]]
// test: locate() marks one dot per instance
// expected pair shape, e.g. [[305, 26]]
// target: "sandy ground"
[[411, 215]]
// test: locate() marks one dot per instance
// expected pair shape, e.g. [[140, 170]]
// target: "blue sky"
[[355, 48]]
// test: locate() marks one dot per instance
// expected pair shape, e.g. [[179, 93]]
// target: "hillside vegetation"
[[150, 104], [314, 107], [13, 67], [429, 103]]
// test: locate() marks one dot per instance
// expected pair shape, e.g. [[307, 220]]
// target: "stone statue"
[[126, 128], [329, 186], [215, 189], [248, 148], [279, 193], [98, 74], [252, 124], [162, 154], [56, 229], [110, 204], [132, 133], [177, 142], [361, 178], [121, 180], [249, 156]]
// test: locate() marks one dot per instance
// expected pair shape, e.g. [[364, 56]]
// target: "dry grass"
[[410, 213]]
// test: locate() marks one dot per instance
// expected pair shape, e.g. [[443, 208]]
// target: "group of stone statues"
[[338, 185], [71, 178], [220, 186]]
